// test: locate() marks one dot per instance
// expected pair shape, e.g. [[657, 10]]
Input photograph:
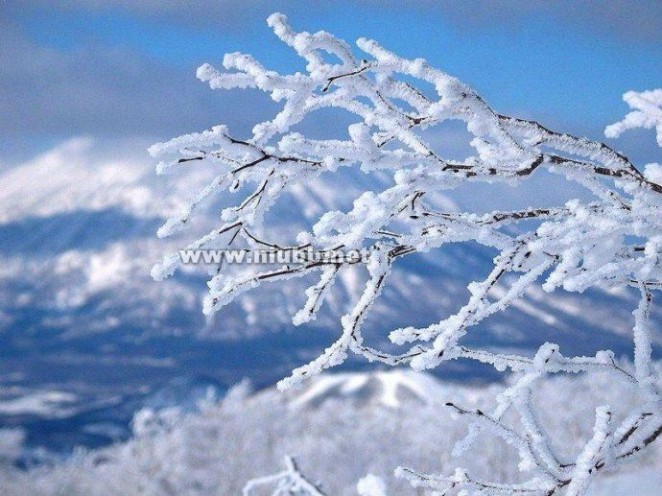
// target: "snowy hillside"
[[355, 423]]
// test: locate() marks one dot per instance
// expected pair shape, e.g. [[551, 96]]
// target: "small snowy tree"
[[612, 240]]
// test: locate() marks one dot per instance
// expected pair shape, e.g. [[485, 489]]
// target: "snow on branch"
[[290, 482], [614, 239], [646, 113]]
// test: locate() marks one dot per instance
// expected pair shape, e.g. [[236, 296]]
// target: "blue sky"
[[120, 69]]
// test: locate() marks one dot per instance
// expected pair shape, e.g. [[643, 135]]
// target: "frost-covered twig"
[[613, 239], [290, 482]]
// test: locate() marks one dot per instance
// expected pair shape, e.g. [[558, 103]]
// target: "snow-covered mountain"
[[389, 389], [77, 240], [81, 318]]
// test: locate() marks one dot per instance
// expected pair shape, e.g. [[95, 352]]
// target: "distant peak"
[[387, 388]]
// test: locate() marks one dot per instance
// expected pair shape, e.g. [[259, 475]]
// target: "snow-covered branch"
[[290, 482], [614, 239]]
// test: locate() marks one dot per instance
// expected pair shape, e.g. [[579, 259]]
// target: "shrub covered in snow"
[[338, 428]]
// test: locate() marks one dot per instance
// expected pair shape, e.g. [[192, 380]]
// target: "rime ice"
[[612, 240]]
